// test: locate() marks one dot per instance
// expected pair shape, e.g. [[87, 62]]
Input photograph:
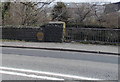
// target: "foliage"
[[5, 10], [59, 12], [81, 25]]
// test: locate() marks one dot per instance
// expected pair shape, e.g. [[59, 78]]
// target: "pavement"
[[74, 47]]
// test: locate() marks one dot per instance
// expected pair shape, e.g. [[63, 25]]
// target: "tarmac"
[[74, 47]]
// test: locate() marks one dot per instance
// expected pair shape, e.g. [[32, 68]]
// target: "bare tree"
[[83, 11], [88, 14], [111, 20], [106, 19], [0, 14], [26, 13]]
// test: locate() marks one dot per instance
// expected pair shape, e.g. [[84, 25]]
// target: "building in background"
[[113, 7]]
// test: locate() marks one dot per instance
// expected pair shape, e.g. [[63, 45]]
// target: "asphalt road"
[[71, 65]]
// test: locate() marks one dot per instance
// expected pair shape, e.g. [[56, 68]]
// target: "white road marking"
[[30, 75], [49, 73]]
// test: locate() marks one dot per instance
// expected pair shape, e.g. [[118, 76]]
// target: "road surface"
[[36, 64]]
